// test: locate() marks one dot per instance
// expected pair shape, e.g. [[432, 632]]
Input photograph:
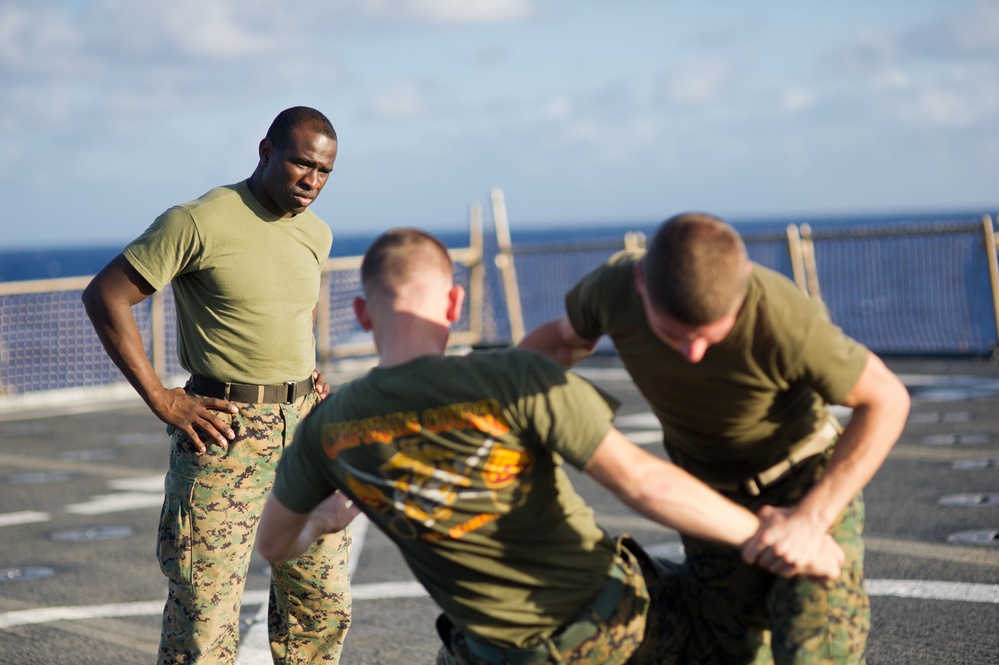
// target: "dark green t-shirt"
[[458, 460], [245, 282], [753, 395]]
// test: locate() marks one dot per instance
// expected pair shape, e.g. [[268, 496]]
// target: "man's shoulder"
[[777, 295], [221, 196]]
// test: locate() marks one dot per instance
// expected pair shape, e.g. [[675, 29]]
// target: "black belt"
[[281, 393]]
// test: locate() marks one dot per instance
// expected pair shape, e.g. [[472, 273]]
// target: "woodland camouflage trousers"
[[208, 525]]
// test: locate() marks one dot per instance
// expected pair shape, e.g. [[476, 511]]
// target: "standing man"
[[245, 262], [739, 367], [458, 461]]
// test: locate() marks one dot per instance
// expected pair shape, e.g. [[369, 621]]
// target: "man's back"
[[456, 453]]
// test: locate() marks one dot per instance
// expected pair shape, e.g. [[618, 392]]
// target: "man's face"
[[293, 177], [689, 341]]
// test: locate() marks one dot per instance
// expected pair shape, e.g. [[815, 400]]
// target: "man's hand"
[[322, 388], [334, 514], [192, 413], [788, 544]]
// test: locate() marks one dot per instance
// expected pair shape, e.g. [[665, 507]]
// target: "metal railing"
[[903, 289]]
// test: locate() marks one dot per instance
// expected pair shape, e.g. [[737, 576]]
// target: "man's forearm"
[[120, 337]]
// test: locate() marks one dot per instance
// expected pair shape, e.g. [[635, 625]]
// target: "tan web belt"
[[811, 446], [282, 393]]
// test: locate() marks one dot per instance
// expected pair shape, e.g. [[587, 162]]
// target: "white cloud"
[[450, 11], [796, 100], [211, 29], [697, 82], [402, 101], [945, 108], [557, 109]]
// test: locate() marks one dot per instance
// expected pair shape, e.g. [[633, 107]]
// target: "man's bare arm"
[[670, 496], [285, 534], [108, 300], [559, 341], [880, 405]]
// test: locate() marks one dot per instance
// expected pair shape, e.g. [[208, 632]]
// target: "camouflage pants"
[[742, 614], [208, 525], [640, 628]]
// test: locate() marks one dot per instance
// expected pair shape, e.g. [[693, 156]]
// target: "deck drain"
[[985, 537], [969, 439], [38, 477], [88, 455], [976, 464], [93, 533], [25, 573], [934, 417], [983, 499]]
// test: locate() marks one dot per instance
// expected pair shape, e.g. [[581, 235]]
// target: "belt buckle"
[[291, 385]]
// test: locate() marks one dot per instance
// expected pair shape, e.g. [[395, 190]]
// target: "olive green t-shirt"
[[458, 460], [753, 396], [245, 283]]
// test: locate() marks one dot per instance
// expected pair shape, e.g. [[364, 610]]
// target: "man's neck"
[[409, 338]]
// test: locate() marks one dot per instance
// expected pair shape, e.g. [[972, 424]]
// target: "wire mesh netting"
[[910, 290], [902, 289]]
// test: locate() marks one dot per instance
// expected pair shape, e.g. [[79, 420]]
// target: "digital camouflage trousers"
[[742, 614], [208, 524]]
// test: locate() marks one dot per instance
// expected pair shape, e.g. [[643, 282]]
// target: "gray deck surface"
[[80, 585]]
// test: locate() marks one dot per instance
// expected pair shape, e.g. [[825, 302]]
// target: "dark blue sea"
[[58, 261]]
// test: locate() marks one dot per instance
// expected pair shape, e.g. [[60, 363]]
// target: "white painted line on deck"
[[645, 437], [24, 517], [111, 503], [151, 484], [961, 591], [645, 419], [926, 590]]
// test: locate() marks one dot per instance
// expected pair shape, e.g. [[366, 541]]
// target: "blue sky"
[[583, 111]]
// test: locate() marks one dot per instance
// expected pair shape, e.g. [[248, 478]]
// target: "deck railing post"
[[504, 261], [811, 268], [797, 257], [990, 251], [477, 274]]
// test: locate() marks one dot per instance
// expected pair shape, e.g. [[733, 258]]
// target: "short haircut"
[[397, 254], [291, 119], [695, 268]]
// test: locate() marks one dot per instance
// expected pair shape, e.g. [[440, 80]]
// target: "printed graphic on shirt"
[[424, 479]]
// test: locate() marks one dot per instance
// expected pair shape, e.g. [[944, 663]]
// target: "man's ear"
[[456, 296], [361, 313], [264, 150]]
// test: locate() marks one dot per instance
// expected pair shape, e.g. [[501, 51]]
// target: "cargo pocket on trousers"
[[176, 530]]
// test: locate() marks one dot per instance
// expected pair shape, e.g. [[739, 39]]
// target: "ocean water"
[[59, 261]]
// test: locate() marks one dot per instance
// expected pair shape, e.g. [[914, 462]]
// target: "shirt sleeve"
[[590, 303], [831, 361], [169, 247], [568, 414]]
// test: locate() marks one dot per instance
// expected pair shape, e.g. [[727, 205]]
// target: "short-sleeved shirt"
[[459, 461], [245, 282], [753, 396]]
